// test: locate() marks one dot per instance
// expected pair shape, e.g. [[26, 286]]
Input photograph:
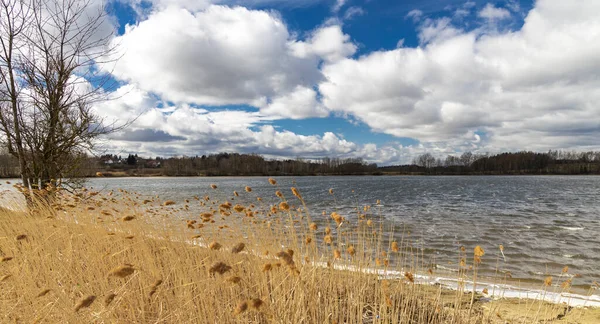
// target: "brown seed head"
[[284, 206], [548, 281], [337, 254], [239, 208], [108, 299], [337, 218], [256, 303], [296, 192], [395, 247], [565, 269], [169, 203], [328, 239], [21, 237], [86, 302], [235, 193], [122, 271], [409, 276], [238, 248], [286, 257], [331, 191], [43, 293], [248, 189], [218, 267], [214, 186], [272, 181], [278, 194], [267, 267], [214, 246], [241, 307], [327, 230], [128, 218], [234, 279], [351, 250]]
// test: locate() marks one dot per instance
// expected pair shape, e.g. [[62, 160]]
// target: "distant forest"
[[234, 164]]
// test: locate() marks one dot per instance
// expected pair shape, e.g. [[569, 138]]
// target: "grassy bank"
[[117, 257]]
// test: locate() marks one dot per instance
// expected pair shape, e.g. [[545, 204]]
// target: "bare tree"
[[51, 81]]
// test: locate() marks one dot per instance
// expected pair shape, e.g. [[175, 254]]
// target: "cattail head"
[[478, 253], [272, 181], [395, 246], [296, 192], [284, 206], [241, 307], [218, 267], [351, 250], [548, 281], [256, 303], [214, 186], [337, 254], [122, 271], [278, 194], [128, 218], [234, 280], [286, 257], [85, 302], [169, 203], [409, 276], [235, 193], [214, 246], [109, 298], [337, 218], [248, 189], [238, 248], [43, 293]]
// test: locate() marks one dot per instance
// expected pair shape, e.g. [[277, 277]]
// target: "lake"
[[543, 222]]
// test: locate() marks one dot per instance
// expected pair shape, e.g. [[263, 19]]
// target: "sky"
[[385, 80]]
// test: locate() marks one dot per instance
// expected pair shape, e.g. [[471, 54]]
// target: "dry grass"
[[267, 263]]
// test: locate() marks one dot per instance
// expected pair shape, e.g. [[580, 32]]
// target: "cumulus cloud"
[[329, 43], [224, 55], [535, 88], [491, 12]]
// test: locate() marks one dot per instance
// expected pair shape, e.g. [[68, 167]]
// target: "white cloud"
[[338, 5], [353, 12], [536, 88], [299, 104], [491, 12], [415, 15], [329, 43]]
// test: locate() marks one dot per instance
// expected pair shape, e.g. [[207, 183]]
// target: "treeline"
[[552, 162], [234, 164]]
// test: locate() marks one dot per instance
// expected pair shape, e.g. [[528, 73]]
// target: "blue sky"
[[380, 79]]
